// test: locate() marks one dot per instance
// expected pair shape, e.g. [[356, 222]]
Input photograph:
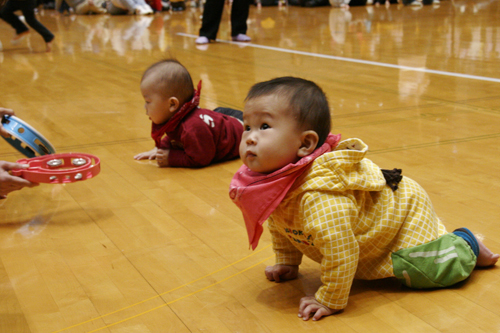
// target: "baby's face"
[[272, 137], [156, 105]]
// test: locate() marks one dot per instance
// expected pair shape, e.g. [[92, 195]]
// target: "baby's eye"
[[264, 126], [247, 128]]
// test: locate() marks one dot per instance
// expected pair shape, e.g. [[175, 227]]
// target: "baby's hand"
[[309, 305], [150, 155], [280, 273], [162, 157]]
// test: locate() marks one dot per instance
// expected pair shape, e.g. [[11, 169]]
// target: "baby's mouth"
[[250, 154]]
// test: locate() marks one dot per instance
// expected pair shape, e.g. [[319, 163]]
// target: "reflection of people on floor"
[[412, 83], [136, 32], [83, 6], [95, 30], [124, 7], [339, 22]]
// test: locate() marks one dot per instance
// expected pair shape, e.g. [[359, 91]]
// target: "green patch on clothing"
[[440, 263]]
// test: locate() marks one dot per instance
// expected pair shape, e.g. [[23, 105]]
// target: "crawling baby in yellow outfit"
[[324, 199]]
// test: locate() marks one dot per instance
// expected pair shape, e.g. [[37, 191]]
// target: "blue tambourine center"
[[25, 138]]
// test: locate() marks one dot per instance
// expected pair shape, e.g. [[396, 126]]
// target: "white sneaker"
[[202, 40], [241, 38], [148, 9], [141, 10]]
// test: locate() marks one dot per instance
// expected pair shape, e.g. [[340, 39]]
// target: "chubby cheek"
[[155, 117], [242, 146], [152, 118]]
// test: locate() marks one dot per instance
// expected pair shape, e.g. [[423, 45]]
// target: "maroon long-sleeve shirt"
[[199, 137]]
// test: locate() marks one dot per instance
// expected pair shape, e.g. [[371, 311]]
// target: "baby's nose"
[[250, 140]]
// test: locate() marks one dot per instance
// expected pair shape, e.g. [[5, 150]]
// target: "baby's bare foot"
[[486, 257]]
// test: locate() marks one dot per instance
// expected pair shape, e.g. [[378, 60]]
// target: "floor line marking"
[[358, 61], [435, 144], [166, 292], [185, 296]]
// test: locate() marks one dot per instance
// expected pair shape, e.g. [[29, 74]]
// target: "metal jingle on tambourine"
[[79, 161], [54, 163], [59, 168]]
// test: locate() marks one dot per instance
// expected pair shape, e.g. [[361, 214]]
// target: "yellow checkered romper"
[[341, 214]]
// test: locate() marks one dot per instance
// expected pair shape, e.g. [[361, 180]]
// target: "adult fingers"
[[4, 111], [3, 132], [17, 182], [7, 166]]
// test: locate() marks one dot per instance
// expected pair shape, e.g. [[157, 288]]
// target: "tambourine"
[[59, 168], [25, 138]]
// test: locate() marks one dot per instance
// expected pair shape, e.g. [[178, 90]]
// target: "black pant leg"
[[230, 112], [239, 16], [212, 14], [28, 9], [7, 14]]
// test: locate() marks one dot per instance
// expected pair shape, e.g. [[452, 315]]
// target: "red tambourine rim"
[[39, 170]]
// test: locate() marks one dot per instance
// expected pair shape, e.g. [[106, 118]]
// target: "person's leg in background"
[[239, 16], [7, 14], [212, 14], [28, 9]]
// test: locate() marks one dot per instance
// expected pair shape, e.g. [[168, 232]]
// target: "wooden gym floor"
[[147, 249]]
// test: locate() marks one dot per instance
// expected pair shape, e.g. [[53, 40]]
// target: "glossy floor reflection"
[[145, 249]]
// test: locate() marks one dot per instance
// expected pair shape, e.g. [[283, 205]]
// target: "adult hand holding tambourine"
[[44, 165]]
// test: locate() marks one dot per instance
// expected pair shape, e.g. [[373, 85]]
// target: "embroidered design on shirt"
[[208, 120], [299, 233]]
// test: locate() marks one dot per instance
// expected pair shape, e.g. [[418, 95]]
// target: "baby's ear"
[[309, 141], [173, 104]]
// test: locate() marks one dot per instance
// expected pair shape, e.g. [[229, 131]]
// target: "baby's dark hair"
[[173, 78], [306, 100]]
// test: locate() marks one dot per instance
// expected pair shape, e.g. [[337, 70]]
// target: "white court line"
[[365, 62]]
